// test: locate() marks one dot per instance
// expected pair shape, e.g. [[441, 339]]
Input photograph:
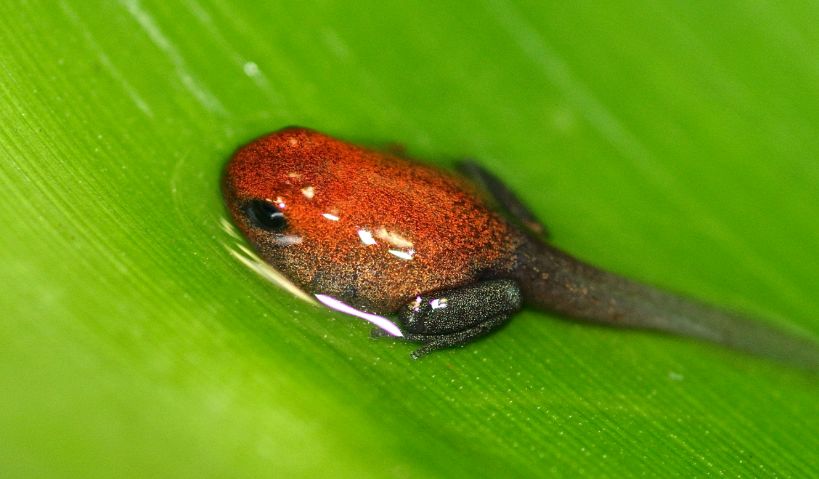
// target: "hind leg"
[[454, 317], [504, 196]]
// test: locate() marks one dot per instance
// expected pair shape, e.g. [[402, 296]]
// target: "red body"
[[367, 227]]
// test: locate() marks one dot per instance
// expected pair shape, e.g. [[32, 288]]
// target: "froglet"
[[451, 255]]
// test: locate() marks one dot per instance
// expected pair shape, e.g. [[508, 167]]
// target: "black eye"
[[266, 216]]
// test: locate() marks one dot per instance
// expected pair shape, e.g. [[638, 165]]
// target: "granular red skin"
[[376, 230], [441, 233]]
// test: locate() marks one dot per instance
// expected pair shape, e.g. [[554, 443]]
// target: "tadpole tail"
[[555, 281]]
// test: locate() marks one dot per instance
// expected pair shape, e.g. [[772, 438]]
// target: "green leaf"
[[673, 142]]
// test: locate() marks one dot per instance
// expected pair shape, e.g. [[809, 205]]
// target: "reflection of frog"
[[387, 235]]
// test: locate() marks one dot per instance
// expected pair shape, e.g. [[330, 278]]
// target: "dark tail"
[[553, 280]]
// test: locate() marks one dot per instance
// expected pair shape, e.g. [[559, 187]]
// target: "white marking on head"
[[287, 240], [394, 239], [366, 237], [406, 255]]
